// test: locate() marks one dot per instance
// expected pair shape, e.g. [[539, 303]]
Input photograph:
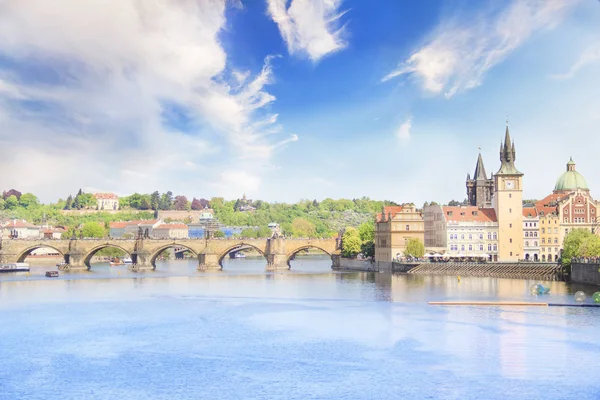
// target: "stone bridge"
[[78, 253]]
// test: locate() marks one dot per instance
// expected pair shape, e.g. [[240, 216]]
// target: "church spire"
[[508, 156], [480, 169]]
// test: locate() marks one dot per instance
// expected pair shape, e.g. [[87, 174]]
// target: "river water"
[[308, 333]]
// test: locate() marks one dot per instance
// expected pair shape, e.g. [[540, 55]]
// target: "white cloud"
[[403, 132], [310, 27], [102, 74], [589, 56], [461, 51]]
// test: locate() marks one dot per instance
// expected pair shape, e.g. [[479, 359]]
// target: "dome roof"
[[571, 179]]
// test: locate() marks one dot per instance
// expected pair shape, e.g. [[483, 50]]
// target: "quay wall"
[[350, 264], [587, 273]]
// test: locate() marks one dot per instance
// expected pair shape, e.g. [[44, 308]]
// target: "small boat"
[[60, 264], [52, 274], [127, 261], [239, 254], [14, 267]]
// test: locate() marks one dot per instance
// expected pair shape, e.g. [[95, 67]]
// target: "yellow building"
[[394, 227], [508, 204]]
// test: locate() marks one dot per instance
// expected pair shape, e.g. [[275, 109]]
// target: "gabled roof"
[[117, 225], [18, 223], [530, 212], [389, 209], [469, 214]]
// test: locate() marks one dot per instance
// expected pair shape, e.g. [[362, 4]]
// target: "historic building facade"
[[394, 227], [462, 231], [480, 189], [531, 233], [107, 201]]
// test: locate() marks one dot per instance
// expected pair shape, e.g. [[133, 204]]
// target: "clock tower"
[[508, 203]]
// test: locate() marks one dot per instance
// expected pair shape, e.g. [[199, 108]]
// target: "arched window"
[[489, 235], [470, 247], [462, 247], [543, 257], [495, 235], [470, 237], [495, 247], [481, 236], [526, 234], [535, 243], [480, 247], [489, 247]]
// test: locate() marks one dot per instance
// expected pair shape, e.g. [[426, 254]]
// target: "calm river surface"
[[308, 333]]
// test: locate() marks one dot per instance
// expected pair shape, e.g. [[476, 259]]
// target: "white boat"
[[239, 254], [127, 261], [14, 267]]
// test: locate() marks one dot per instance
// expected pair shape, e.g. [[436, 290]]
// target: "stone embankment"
[[586, 273]]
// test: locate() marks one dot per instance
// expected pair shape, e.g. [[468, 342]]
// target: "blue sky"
[[291, 99]]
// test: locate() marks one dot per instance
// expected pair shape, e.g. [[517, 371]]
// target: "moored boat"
[[14, 267], [127, 261], [52, 274]]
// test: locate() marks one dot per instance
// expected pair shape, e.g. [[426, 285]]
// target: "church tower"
[[508, 203], [480, 189]]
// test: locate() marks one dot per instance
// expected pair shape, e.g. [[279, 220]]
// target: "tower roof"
[[480, 169], [508, 156]]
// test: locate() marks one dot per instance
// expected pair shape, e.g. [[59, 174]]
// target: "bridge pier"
[[141, 260], [74, 262], [208, 262], [277, 262]]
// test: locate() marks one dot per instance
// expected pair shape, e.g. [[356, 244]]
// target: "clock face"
[[510, 184]]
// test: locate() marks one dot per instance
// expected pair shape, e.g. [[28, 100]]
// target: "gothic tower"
[[480, 189], [508, 203]]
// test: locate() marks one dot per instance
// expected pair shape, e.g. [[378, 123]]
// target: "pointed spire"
[[480, 169], [382, 213], [514, 153]]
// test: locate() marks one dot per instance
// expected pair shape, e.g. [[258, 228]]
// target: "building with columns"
[[394, 227]]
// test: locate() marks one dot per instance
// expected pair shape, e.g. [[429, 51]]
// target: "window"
[[535, 243], [489, 247], [462, 247], [511, 253], [526, 234], [481, 236], [510, 225], [470, 237], [470, 247], [543, 240], [527, 243], [462, 235], [510, 210], [534, 234], [510, 195], [495, 247], [510, 240], [566, 231], [480, 247], [489, 235], [555, 240], [555, 230], [408, 227], [495, 236], [543, 230]]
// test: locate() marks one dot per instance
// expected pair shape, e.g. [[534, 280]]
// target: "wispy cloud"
[[309, 27], [460, 52], [403, 132], [86, 85], [589, 56]]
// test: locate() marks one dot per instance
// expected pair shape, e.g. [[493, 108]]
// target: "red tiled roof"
[[18, 223], [118, 225], [389, 209], [143, 222], [106, 196], [466, 214], [530, 212], [172, 226]]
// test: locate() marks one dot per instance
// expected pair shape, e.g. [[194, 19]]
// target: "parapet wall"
[[588, 273]]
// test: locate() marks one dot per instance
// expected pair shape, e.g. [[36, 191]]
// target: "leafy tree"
[[93, 230], [180, 203], [28, 200], [263, 232], [155, 200], [11, 202], [145, 203], [124, 202], [368, 249], [351, 242], [414, 248], [301, 227], [580, 243], [69, 203], [367, 231], [196, 205], [11, 192], [218, 234], [454, 203], [1, 203], [166, 201]]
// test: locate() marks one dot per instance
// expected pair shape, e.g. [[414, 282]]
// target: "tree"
[[368, 249], [11, 192], [145, 203], [453, 203], [11, 202], [302, 227], [28, 200], [196, 205], [1, 203], [69, 203], [180, 203], [155, 200], [414, 248], [579, 243], [351, 242], [218, 234], [93, 230], [166, 201], [367, 231]]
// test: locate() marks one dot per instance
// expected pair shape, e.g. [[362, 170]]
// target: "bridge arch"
[[88, 257], [292, 254], [23, 255], [236, 246], [159, 250]]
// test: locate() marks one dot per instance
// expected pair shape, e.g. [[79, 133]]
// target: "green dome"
[[571, 179]]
